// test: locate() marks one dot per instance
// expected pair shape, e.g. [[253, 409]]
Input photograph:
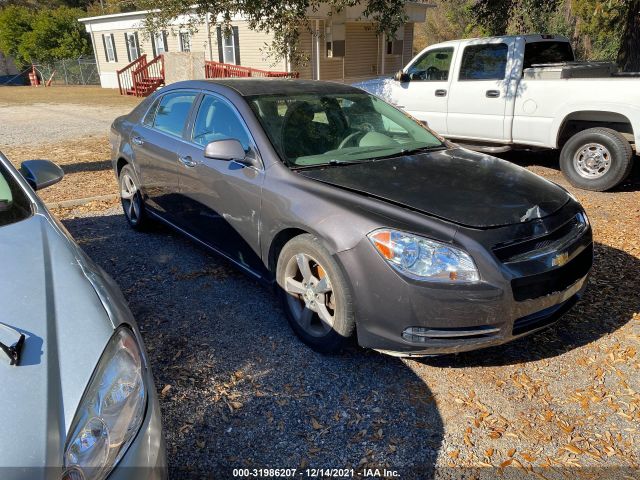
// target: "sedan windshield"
[[309, 130], [14, 204]]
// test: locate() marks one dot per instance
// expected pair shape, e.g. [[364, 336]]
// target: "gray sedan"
[[77, 399], [366, 221]]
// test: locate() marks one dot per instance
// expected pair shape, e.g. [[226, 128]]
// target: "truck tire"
[[596, 159]]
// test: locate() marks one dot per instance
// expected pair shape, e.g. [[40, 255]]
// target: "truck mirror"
[[401, 77]]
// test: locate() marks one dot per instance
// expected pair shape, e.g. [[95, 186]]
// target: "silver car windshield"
[[309, 130], [14, 203]]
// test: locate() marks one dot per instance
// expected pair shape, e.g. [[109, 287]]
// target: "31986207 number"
[[293, 472], [265, 472]]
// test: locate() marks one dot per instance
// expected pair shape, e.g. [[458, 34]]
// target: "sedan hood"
[[46, 295], [456, 185]]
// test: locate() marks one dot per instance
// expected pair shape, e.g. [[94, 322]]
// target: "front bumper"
[[401, 316], [145, 458]]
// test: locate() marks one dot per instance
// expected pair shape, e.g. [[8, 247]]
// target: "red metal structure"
[[141, 77], [227, 70]]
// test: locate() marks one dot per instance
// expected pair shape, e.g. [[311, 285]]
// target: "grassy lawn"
[[81, 95]]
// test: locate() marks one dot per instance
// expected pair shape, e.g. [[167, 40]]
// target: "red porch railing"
[[226, 70], [125, 77], [148, 77]]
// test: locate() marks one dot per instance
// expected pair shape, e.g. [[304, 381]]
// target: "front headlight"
[[111, 410], [424, 259]]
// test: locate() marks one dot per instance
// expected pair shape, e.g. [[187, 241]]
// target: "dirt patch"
[[78, 95], [86, 164]]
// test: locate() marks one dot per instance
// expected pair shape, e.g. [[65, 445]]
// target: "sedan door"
[[220, 199], [425, 95], [158, 145]]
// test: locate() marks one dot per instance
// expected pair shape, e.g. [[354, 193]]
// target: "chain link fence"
[[70, 71]]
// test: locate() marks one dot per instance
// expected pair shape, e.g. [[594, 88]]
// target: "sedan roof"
[[281, 86]]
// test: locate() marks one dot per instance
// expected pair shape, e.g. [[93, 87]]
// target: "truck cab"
[[466, 88], [495, 94]]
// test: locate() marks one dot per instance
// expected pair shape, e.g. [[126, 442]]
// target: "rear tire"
[[315, 294], [131, 199], [596, 159]]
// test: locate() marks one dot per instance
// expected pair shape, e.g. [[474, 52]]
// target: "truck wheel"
[[596, 159]]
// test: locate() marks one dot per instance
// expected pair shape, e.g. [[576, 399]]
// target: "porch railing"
[[226, 70], [148, 77], [125, 75]]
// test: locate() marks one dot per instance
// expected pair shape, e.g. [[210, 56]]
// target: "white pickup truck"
[[495, 94]]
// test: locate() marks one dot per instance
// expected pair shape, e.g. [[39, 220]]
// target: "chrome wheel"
[[592, 160], [310, 295], [131, 202]]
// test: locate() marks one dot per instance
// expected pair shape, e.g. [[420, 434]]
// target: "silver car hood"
[[45, 293], [380, 87]]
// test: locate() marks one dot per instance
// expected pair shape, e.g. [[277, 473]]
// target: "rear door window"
[[173, 111], [484, 62]]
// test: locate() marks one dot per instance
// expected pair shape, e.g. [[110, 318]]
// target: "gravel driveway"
[[239, 390], [34, 124]]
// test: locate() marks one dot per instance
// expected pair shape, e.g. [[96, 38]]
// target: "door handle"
[[187, 161], [493, 93], [138, 140], [441, 93]]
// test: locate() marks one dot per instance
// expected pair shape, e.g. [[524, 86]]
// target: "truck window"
[[432, 65], [484, 62], [547, 52]]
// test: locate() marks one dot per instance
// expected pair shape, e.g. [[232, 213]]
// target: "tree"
[[629, 53], [54, 35], [600, 29], [15, 21], [448, 20], [283, 19]]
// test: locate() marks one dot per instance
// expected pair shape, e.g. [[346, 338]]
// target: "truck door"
[[425, 94], [478, 96]]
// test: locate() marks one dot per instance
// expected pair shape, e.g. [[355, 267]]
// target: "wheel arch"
[[279, 240], [120, 165], [579, 120]]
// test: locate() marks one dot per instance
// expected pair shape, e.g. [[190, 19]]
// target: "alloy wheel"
[[310, 295], [130, 198], [592, 160]]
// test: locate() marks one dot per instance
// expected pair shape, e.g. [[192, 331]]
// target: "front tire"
[[315, 294], [131, 200], [596, 159]]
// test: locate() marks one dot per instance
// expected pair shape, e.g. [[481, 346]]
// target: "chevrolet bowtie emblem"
[[560, 259]]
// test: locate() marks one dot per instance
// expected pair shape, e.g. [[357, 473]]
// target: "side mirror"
[[41, 173], [229, 150], [401, 77]]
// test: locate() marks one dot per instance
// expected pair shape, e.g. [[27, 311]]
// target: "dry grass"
[[86, 163], [80, 95]]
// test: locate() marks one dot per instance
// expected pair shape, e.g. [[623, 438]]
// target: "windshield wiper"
[[410, 151], [330, 163], [14, 351]]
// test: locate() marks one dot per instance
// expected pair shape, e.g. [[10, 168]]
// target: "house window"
[[185, 42], [109, 48], [396, 45], [159, 43], [228, 46], [334, 35], [133, 46], [229, 54]]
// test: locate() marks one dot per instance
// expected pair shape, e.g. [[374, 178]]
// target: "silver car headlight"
[[111, 411], [424, 259]]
